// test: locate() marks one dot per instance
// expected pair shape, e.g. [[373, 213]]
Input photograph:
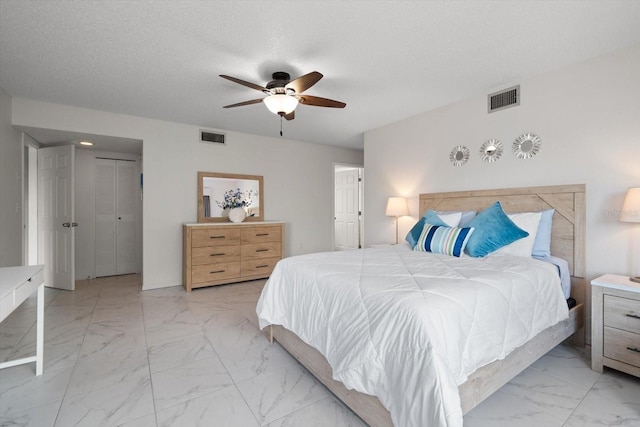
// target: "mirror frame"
[[202, 175]]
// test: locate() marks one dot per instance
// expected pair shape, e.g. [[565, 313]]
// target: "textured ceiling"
[[387, 60]]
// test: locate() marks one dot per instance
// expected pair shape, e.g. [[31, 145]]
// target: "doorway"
[[116, 216], [348, 206], [37, 201]]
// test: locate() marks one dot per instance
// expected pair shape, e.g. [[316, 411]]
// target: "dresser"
[[221, 253], [615, 312]]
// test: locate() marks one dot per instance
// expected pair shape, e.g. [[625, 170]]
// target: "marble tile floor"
[[116, 356]]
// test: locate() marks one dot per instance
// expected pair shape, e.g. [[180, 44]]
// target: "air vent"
[[504, 99], [212, 137]]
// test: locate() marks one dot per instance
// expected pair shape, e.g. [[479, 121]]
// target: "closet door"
[[105, 217], [115, 217], [125, 217]]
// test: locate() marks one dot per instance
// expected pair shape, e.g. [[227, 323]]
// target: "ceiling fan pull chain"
[[280, 125]]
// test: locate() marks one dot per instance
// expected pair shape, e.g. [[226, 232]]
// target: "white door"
[[56, 243], [347, 213], [115, 217], [126, 217]]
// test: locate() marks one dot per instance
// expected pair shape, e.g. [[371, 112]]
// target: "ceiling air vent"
[[504, 99], [211, 137]]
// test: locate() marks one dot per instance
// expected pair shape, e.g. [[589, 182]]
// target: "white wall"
[[588, 116], [10, 187], [297, 178], [85, 209]]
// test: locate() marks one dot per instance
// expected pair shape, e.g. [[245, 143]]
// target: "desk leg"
[[40, 331]]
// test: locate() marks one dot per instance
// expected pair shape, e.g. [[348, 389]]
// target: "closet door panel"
[[126, 217], [105, 181]]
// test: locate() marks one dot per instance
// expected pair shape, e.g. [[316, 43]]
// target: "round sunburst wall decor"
[[459, 155], [526, 146], [491, 150]]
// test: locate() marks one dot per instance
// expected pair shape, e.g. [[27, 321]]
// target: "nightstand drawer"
[[622, 346], [622, 313]]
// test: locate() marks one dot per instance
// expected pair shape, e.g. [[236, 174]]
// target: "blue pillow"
[[542, 243], [493, 230], [443, 240], [430, 217]]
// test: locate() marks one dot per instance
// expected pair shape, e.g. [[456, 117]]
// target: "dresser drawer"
[[262, 234], [261, 250], [215, 237], [258, 267], [622, 346], [622, 313], [215, 254], [213, 272]]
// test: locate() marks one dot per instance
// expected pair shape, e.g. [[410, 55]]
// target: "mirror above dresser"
[[218, 193]]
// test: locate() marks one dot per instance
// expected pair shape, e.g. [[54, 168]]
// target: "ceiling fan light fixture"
[[281, 104]]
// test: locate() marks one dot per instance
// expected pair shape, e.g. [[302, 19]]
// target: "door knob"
[[66, 224], [74, 224]]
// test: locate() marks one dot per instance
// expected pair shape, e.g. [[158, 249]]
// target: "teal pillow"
[[430, 217], [492, 230]]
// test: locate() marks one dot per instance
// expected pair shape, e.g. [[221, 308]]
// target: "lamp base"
[[635, 279]]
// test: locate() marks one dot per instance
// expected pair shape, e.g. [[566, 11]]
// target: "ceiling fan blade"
[[240, 104], [320, 102], [244, 83], [290, 116], [303, 83]]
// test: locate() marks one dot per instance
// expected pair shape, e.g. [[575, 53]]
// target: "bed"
[[567, 242]]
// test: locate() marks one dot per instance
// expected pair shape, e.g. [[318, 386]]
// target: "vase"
[[237, 215]]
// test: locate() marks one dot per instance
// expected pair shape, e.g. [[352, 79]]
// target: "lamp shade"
[[631, 206], [397, 206], [281, 104]]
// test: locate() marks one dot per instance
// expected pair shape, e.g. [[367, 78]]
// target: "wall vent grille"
[[504, 99], [212, 137]]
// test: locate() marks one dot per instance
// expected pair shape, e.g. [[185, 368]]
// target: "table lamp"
[[397, 207], [631, 212]]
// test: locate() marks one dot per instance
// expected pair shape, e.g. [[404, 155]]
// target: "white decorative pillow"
[[529, 222], [452, 219], [465, 216]]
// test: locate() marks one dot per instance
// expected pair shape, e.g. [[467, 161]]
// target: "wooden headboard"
[[568, 234]]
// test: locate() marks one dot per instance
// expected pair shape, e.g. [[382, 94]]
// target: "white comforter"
[[409, 327]]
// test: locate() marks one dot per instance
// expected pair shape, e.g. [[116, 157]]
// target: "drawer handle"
[[216, 254], [262, 266], [216, 237], [262, 250], [633, 349], [261, 234], [217, 271], [635, 316]]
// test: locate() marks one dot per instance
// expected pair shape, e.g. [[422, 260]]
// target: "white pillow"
[[451, 219], [529, 222]]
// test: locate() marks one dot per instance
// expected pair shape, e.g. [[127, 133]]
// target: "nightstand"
[[615, 317]]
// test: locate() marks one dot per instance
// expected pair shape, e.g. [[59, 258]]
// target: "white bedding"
[[409, 327]]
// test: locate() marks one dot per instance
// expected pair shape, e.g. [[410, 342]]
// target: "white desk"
[[16, 284]]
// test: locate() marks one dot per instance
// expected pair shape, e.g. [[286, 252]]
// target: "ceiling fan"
[[284, 94]]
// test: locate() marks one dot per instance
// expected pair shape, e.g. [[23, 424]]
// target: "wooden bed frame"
[[567, 241]]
